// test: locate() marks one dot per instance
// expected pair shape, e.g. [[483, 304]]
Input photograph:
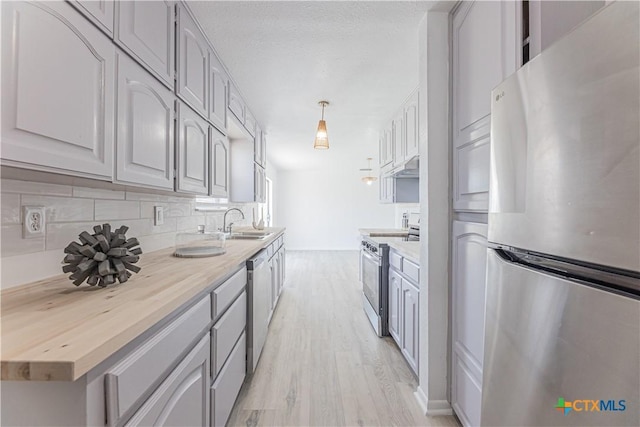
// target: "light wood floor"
[[322, 363]]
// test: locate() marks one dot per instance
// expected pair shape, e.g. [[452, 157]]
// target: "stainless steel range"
[[374, 273]]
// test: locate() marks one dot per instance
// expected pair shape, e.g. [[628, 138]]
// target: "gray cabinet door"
[[100, 12], [193, 62], [219, 164], [468, 265], [236, 105], [250, 122], [146, 30], [259, 148], [58, 89], [259, 184], [183, 398], [399, 141], [217, 93], [411, 124], [410, 323], [484, 54], [145, 137], [192, 154], [395, 314]]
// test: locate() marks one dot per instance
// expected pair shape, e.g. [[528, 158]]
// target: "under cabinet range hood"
[[409, 169]]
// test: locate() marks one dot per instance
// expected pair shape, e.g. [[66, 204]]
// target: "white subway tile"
[[170, 209], [190, 223], [23, 269], [170, 225], [97, 193], [60, 235], [13, 244], [116, 209], [62, 209], [11, 211], [29, 187], [156, 242]]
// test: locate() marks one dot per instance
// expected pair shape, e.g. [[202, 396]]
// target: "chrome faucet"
[[224, 222]]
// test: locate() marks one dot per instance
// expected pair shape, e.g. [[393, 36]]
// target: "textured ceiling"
[[286, 56]]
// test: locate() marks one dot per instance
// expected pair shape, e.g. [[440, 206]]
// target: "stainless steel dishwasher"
[[259, 303]]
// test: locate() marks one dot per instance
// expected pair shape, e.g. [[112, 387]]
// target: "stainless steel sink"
[[249, 235]]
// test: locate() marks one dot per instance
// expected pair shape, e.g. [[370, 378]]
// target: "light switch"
[[158, 215]]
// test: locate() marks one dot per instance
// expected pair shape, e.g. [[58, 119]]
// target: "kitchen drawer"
[[280, 241], [224, 294], [270, 250], [411, 270], [226, 331], [139, 372], [226, 388], [395, 260]]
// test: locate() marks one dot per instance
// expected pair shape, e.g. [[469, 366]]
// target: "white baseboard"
[[432, 407]]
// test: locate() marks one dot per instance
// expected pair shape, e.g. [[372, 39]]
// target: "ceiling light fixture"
[[322, 140], [369, 179]]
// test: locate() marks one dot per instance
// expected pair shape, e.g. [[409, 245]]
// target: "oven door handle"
[[371, 257]]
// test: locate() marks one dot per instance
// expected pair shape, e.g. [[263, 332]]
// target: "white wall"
[[435, 197], [323, 209]]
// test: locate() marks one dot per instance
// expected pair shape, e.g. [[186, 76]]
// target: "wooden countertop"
[[52, 330], [383, 232]]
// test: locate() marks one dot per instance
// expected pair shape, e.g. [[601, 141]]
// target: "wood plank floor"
[[322, 364]]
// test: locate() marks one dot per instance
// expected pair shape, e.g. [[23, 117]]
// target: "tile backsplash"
[[70, 209]]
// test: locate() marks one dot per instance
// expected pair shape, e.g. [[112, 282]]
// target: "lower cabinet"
[[227, 385], [468, 264], [410, 325], [183, 398], [276, 264], [395, 297], [404, 307]]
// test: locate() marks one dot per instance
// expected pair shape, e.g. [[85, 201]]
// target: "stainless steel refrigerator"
[[562, 334]]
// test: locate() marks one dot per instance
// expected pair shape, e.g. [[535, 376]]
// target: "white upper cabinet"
[[411, 121], [484, 54], [146, 30], [260, 153], [550, 20], [193, 62], [219, 164], [145, 132], [217, 93], [192, 155], [236, 105], [399, 142], [250, 122], [100, 12], [386, 146], [58, 87]]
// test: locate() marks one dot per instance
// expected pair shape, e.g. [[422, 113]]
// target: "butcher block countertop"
[[53, 330], [383, 232]]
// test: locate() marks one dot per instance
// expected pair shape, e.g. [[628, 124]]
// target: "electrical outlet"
[[158, 215], [33, 222]]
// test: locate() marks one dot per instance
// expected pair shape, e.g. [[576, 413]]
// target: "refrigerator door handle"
[[617, 281]]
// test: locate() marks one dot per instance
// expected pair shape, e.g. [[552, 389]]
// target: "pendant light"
[[369, 179], [322, 140]]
